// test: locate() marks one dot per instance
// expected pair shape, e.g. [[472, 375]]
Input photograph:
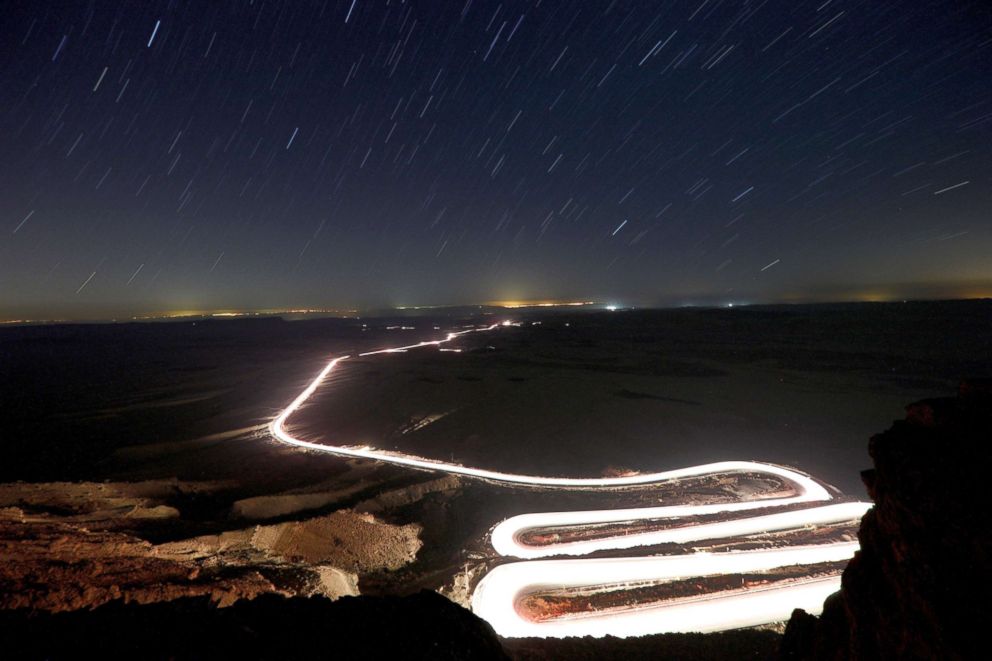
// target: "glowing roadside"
[[495, 597]]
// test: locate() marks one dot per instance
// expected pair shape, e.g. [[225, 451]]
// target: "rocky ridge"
[[917, 589]]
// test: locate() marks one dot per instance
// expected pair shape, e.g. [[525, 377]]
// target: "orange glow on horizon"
[[538, 304]]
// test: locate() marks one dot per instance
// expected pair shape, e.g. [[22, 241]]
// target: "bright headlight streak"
[[496, 596], [709, 613], [506, 536]]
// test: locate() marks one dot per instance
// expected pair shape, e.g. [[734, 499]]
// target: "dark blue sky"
[[206, 155]]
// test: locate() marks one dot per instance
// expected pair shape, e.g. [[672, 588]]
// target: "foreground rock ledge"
[[421, 626], [920, 585]]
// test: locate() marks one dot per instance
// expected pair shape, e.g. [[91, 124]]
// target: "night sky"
[[212, 155]]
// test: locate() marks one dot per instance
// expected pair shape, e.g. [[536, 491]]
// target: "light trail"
[[496, 596], [506, 535]]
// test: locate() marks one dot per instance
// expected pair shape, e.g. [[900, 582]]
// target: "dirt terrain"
[[139, 469]]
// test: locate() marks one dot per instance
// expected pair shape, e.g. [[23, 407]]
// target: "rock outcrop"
[[920, 585], [56, 566], [422, 626]]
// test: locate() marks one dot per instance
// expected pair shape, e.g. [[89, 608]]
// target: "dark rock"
[[917, 589], [972, 389], [421, 626], [799, 636], [730, 645]]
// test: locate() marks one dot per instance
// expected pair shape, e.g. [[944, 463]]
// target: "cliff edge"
[[919, 586]]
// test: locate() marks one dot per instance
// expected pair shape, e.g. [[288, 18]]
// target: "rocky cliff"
[[421, 626], [920, 585], [424, 625]]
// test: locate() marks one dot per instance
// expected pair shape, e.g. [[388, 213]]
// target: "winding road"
[[497, 596]]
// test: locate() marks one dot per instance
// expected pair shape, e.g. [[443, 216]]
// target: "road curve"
[[496, 596], [506, 537]]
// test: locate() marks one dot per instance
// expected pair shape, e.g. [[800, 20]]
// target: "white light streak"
[[505, 536], [86, 282], [100, 79], [135, 274], [743, 194], [154, 32], [59, 49], [26, 219], [944, 190], [496, 596]]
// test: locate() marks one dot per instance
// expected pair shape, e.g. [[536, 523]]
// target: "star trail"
[[253, 155]]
